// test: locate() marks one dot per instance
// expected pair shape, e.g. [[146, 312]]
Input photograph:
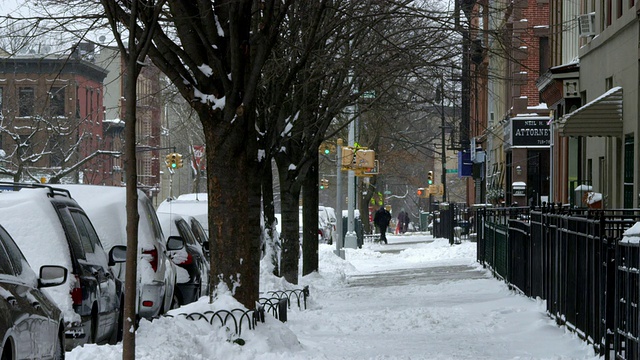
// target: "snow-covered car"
[[31, 325], [50, 228], [192, 264], [326, 224], [106, 207], [194, 205]]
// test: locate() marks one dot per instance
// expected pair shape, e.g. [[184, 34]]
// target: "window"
[[72, 234], [56, 101], [87, 243], [26, 101], [55, 147], [5, 263], [628, 172], [14, 252], [90, 241], [186, 233]]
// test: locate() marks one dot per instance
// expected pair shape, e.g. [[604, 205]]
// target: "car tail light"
[[76, 292], [188, 260], [152, 256], [147, 303]]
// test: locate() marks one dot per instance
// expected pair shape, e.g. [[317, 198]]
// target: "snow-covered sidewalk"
[[416, 298]]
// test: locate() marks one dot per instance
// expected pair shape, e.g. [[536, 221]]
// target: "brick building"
[[51, 121]]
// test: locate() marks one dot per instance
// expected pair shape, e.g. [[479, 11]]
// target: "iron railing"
[[578, 261]]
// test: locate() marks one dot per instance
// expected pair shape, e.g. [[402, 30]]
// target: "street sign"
[[452, 171]]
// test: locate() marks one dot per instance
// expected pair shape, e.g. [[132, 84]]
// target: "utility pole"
[[339, 198], [444, 147], [351, 238]]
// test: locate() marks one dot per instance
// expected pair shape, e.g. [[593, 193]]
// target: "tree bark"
[[310, 220], [290, 236], [234, 206]]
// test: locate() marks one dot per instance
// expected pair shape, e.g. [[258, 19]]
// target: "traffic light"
[[324, 184], [326, 148], [168, 160], [173, 162], [178, 161], [430, 178], [421, 192]]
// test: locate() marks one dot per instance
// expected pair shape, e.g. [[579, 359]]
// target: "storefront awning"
[[599, 117]]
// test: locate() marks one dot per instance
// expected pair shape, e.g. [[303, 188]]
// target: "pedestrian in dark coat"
[[381, 218], [406, 221]]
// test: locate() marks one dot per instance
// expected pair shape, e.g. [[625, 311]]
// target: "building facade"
[[514, 131], [52, 115], [149, 155]]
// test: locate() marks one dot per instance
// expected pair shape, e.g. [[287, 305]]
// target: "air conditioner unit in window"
[[587, 24]]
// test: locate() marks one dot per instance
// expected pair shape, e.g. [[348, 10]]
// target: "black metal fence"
[[451, 220], [578, 261], [275, 303]]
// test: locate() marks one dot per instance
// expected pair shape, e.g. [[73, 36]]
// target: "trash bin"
[[424, 220]]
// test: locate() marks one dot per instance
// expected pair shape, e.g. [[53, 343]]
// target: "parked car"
[[31, 325], [193, 265], [106, 207], [327, 223], [50, 227], [194, 205]]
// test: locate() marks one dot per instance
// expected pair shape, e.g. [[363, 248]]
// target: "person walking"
[[407, 220], [381, 218]]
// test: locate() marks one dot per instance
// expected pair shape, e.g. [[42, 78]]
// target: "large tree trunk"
[[310, 221], [234, 206], [290, 237]]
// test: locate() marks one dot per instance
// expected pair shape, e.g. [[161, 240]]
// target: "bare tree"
[[332, 53], [213, 53]]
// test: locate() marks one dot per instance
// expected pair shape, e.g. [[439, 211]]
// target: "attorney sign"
[[530, 132]]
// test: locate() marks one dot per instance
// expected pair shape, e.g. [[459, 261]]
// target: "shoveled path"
[[397, 307]]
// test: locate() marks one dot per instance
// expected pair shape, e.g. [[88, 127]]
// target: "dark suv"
[[49, 226]]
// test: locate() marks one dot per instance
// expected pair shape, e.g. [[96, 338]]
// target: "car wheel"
[[7, 353], [117, 334], [175, 301], [93, 328], [58, 353]]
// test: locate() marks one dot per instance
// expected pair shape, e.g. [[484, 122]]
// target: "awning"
[[599, 117]]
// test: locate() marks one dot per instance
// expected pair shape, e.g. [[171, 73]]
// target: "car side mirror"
[[52, 275], [117, 254], [175, 243], [205, 246]]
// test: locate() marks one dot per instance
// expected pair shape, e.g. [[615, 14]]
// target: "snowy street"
[[412, 299]]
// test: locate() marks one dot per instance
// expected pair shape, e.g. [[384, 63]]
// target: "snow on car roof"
[[31, 220], [187, 204], [106, 207], [168, 223]]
